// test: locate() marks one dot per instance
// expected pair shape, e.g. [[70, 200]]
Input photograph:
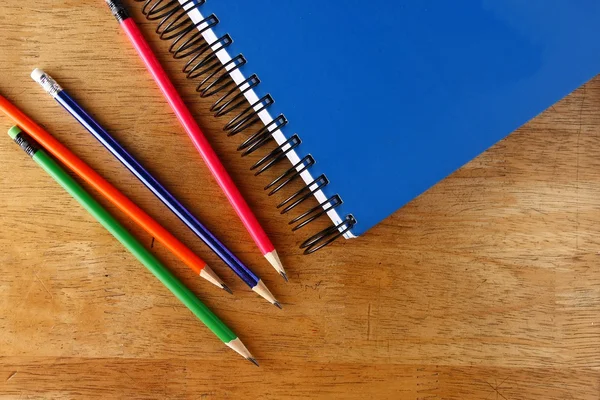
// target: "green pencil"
[[131, 243]]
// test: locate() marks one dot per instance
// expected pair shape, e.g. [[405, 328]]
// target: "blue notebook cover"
[[390, 97]]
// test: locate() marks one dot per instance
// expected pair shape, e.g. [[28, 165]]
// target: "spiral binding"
[[202, 63]]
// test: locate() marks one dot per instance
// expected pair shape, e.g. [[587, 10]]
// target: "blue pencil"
[[62, 97]]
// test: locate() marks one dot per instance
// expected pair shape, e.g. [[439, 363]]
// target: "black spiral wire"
[[202, 64]]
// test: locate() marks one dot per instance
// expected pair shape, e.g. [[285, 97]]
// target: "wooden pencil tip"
[[264, 292], [274, 260], [278, 305], [210, 275], [253, 361]]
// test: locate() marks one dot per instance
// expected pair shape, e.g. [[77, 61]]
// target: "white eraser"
[[37, 74], [46, 82]]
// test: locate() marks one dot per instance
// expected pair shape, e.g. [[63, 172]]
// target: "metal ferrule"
[[26, 143], [118, 10], [50, 85]]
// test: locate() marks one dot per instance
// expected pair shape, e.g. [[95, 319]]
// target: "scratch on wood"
[[129, 376], [478, 286], [38, 278], [369, 322], [11, 376], [388, 349], [313, 287], [497, 388]]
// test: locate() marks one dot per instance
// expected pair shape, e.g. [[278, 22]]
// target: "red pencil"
[[195, 133]]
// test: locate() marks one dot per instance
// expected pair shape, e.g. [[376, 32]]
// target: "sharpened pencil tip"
[[253, 361], [278, 305], [274, 260], [226, 288], [264, 292], [284, 276]]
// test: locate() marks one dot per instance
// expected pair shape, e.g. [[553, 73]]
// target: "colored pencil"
[[111, 193], [85, 119], [195, 133], [180, 291]]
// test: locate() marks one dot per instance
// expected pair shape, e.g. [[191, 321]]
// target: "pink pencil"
[[195, 133]]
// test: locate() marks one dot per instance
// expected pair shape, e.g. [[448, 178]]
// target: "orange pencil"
[[111, 193]]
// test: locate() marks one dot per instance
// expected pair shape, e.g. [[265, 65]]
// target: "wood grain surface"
[[485, 287]]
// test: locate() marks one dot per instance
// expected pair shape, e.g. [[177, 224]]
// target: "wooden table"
[[485, 287]]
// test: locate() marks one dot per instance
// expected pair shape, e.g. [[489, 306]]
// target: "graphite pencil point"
[[226, 288], [284, 276]]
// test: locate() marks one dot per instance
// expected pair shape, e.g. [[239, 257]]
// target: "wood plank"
[[485, 287]]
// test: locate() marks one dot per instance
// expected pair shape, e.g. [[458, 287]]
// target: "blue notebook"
[[389, 97]]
